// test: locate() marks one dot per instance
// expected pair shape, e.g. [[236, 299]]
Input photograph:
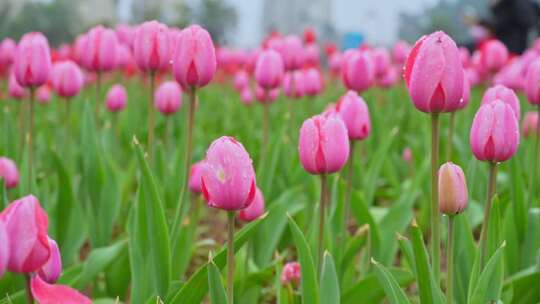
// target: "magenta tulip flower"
[[400, 52], [32, 63], [168, 98], [381, 61], [55, 294], [453, 194], [246, 96], [357, 70], [529, 125], [354, 112], [312, 55], [195, 174], [51, 270], [125, 34], [494, 132], [15, 90], [43, 94], [291, 273], [116, 98], [241, 80], [500, 92], [292, 52], [27, 223], [434, 75], [269, 70], [494, 55], [407, 155], [532, 83], [254, 210], [8, 48], [335, 62], [4, 249], [67, 79], [266, 96], [389, 78], [151, 46], [9, 173], [313, 82], [194, 63], [99, 54]]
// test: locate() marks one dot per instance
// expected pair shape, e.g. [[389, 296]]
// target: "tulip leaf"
[[329, 284], [215, 285], [393, 291]]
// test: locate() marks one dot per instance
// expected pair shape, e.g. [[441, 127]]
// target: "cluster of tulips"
[[437, 74]]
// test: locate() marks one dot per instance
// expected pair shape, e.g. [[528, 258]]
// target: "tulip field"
[[146, 164]]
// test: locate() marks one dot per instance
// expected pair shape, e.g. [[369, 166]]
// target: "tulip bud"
[[227, 177], [530, 124], [43, 94], [269, 70], [194, 183], [291, 273], [381, 61], [60, 294], [401, 52], [311, 55], [27, 223], [357, 71], [99, 55], [4, 249], [50, 272], [151, 46], [124, 34], [355, 114], [116, 98], [33, 60], [434, 75], [506, 95], [254, 210], [292, 52], [532, 83], [168, 98], [67, 78], [464, 56], [8, 48], [15, 90], [453, 195], [194, 63], [494, 132], [323, 144], [294, 84], [407, 155], [246, 96], [334, 63], [266, 96], [309, 35], [313, 82], [389, 78], [241, 80], [9, 173], [494, 55]]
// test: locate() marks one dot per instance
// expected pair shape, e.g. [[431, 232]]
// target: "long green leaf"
[[215, 285], [329, 284], [391, 287]]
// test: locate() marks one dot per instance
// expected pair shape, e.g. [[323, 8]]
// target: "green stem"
[[266, 126], [30, 137], [532, 188], [450, 262], [290, 292], [347, 210], [230, 258], [23, 107], [487, 210], [322, 207], [29, 295], [451, 127], [434, 210], [98, 96], [151, 117]]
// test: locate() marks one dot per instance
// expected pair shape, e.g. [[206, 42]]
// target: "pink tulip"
[[123, 56], [357, 71], [8, 48], [227, 177], [55, 294], [292, 52], [512, 75], [9, 173], [15, 90], [26, 226], [241, 80], [294, 84], [269, 70], [453, 193], [291, 273], [194, 63], [116, 98], [434, 74], [335, 62], [389, 78], [466, 94], [313, 82], [530, 124], [79, 48], [4, 249], [43, 94], [381, 61], [355, 114], [311, 55], [500, 92], [532, 83], [99, 54], [323, 144], [151, 46], [494, 132], [494, 55], [464, 56], [124, 34], [266, 96], [246, 96], [50, 272], [194, 183], [168, 98], [401, 52], [32, 63], [67, 78], [407, 155], [254, 210]]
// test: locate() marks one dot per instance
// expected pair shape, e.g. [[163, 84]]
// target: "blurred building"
[[97, 11]]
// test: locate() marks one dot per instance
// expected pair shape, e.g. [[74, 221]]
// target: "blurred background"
[[244, 23]]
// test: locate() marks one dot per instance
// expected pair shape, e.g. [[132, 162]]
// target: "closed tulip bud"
[[354, 112], [313, 82], [168, 98], [123, 56], [323, 144], [334, 63], [494, 55], [27, 223], [434, 74], [4, 249], [269, 70], [381, 61], [453, 194], [45, 293], [500, 92], [194, 63], [33, 60], [466, 94], [15, 90], [312, 55], [401, 51], [8, 48], [99, 54], [530, 124], [294, 84], [266, 96], [292, 52], [464, 56], [246, 96], [43, 94], [9, 173], [50, 272], [116, 98], [532, 83], [151, 46], [254, 210], [291, 273], [194, 183], [227, 177], [389, 78], [241, 80], [407, 155], [124, 34], [512, 75], [67, 78], [494, 132], [357, 71]]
